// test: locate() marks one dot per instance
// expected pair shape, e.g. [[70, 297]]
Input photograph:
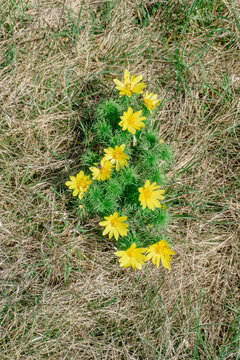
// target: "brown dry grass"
[[63, 295]]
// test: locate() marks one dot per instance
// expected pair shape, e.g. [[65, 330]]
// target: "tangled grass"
[[62, 295]]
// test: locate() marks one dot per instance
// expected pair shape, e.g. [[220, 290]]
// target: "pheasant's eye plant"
[[122, 177]]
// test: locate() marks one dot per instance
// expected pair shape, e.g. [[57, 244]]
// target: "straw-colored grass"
[[63, 295]]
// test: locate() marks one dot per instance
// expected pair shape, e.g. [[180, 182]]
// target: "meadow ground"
[[63, 295]]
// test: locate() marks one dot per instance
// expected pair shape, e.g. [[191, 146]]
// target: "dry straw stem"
[[63, 295]]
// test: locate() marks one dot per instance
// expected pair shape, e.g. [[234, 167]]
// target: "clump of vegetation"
[[123, 176]]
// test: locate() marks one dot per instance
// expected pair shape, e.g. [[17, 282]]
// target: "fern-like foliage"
[[149, 159]]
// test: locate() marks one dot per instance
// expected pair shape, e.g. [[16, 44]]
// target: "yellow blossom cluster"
[[101, 172], [130, 120], [149, 194], [133, 256]]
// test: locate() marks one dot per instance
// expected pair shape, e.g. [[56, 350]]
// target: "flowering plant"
[[122, 178]]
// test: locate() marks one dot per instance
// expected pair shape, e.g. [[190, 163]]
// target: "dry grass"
[[63, 295]]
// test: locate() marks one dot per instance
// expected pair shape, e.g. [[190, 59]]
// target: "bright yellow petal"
[[103, 223], [125, 263], [120, 253], [138, 265], [143, 204], [75, 192], [138, 88], [136, 80], [106, 231], [131, 129], [126, 75], [150, 204], [122, 218], [116, 234], [129, 112], [80, 195], [158, 261], [68, 183], [140, 250], [118, 83], [137, 114], [165, 263], [133, 262], [149, 256], [125, 92], [156, 203], [147, 184], [122, 231], [73, 186]]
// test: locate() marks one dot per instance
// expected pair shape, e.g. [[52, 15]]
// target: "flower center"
[[114, 223], [131, 253], [128, 85], [131, 120], [147, 194], [160, 249], [81, 184], [117, 155], [104, 172], [148, 102]]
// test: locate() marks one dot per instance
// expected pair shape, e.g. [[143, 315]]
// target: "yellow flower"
[[160, 251], [132, 256], [117, 156], [101, 171], [79, 184], [149, 195], [132, 121], [150, 100], [130, 84], [114, 225]]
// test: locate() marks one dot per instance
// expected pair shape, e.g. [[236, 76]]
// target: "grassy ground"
[[63, 295]]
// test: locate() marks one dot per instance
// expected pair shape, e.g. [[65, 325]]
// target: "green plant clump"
[[122, 180]]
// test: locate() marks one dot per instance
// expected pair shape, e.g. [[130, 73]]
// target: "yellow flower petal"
[[119, 253], [126, 75], [118, 83], [165, 263], [75, 192], [136, 79]]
